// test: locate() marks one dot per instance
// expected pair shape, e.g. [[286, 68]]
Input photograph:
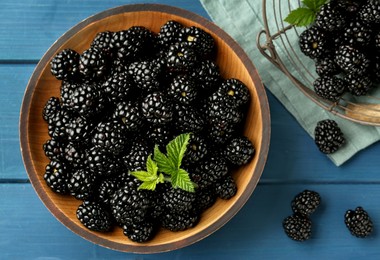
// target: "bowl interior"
[[233, 64]]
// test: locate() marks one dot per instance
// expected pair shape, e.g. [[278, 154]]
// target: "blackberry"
[[217, 107], [205, 199], [58, 124], [358, 85], [329, 87], [313, 42], [234, 92], [297, 227], [157, 108], [82, 184], [118, 86], [102, 163], [85, 100], [196, 149], [326, 66], [79, 130], [66, 91], [377, 41], [93, 64], [209, 171], [75, 155], [102, 42], [370, 12], [129, 113], [168, 33], [51, 107], [159, 134], [351, 60], [178, 200], [110, 137], [330, 18], [135, 158], [239, 150], [198, 39], [53, 149], [306, 202], [107, 187], [174, 221], [349, 6], [328, 136], [207, 76], [220, 130], [188, 120], [183, 89], [180, 58], [65, 65], [94, 217], [357, 34], [140, 232], [358, 222], [146, 74], [226, 187], [56, 176]]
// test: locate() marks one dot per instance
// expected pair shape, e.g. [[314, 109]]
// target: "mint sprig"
[[305, 15], [167, 167]]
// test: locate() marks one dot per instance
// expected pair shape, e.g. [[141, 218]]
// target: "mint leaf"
[[301, 17], [164, 164], [143, 176], [176, 149], [149, 178], [151, 167], [148, 185], [182, 180]]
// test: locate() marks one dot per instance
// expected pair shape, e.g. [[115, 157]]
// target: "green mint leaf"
[[164, 164], [301, 17], [149, 178], [143, 176], [176, 149], [182, 180], [314, 5], [151, 167], [148, 185]]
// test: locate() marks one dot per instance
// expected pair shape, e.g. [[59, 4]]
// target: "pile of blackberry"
[[344, 42], [129, 91]]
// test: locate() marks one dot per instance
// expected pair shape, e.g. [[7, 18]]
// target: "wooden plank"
[[29, 231]]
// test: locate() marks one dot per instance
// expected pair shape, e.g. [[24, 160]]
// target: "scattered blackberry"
[[129, 113], [75, 155], [51, 107], [351, 60], [196, 149], [209, 171], [198, 39], [118, 86], [183, 89], [370, 12], [297, 227], [157, 108], [93, 64], [187, 119], [178, 200], [358, 222], [358, 85], [79, 130], [330, 18], [82, 184], [102, 42], [146, 74], [140, 232], [94, 217], [65, 65], [180, 58], [306, 202], [328, 136], [357, 34], [135, 158], [110, 137], [226, 187], [313, 42], [239, 150], [102, 163], [56, 176], [207, 76], [178, 221], [326, 66], [329, 87], [168, 33], [53, 149]]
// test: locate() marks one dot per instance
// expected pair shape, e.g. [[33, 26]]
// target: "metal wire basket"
[[280, 47]]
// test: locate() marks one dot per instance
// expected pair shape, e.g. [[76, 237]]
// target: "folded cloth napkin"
[[243, 21]]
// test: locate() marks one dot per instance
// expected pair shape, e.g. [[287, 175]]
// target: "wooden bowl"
[[232, 61]]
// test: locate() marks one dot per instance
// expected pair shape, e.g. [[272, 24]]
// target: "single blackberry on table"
[[180, 58], [52, 106], [110, 137], [329, 87], [234, 92], [130, 114], [146, 74], [198, 39], [53, 149], [188, 119], [352, 60], [358, 85], [65, 65], [93, 64], [314, 42], [370, 12], [102, 163], [358, 222], [79, 130], [357, 34], [297, 227], [239, 150], [118, 86], [330, 18], [178, 221], [135, 158], [168, 33], [226, 187], [209, 171], [75, 155], [177, 200], [157, 108], [140, 232], [102, 42], [306, 202], [183, 89], [328, 136], [82, 184], [94, 217], [326, 66], [207, 76], [57, 176], [196, 149]]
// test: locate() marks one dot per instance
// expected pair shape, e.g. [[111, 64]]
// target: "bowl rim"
[[87, 234]]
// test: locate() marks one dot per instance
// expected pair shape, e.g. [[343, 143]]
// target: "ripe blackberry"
[[370, 12], [183, 89], [313, 42], [140, 232], [234, 92], [159, 134], [75, 155], [358, 85], [205, 198], [102, 163], [146, 74], [180, 58], [85, 100], [217, 107], [82, 184], [349, 6], [198, 39], [56, 176], [129, 113], [65, 65], [226, 187], [94, 217], [220, 130], [330, 18], [66, 91], [118, 86], [53, 149], [157, 108], [187, 119], [239, 150], [357, 34], [209, 171], [180, 221], [329, 87], [328, 136], [207, 76], [306, 202], [51, 107], [107, 187], [178, 200], [110, 137], [358, 222], [196, 149], [168, 33], [58, 124], [297, 227], [326, 66], [102, 42], [377, 41], [93, 64], [79, 130], [135, 158], [351, 60]]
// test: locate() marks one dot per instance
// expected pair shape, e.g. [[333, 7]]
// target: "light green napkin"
[[243, 20]]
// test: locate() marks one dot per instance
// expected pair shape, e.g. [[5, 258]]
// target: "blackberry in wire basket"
[[349, 6], [330, 18], [351, 60], [326, 66], [313, 42], [370, 12], [65, 65], [328, 136], [94, 217], [329, 87], [358, 85], [357, 34], [297, 227], [358, 222]]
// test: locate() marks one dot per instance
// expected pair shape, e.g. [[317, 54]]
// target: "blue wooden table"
[[29, 231]]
